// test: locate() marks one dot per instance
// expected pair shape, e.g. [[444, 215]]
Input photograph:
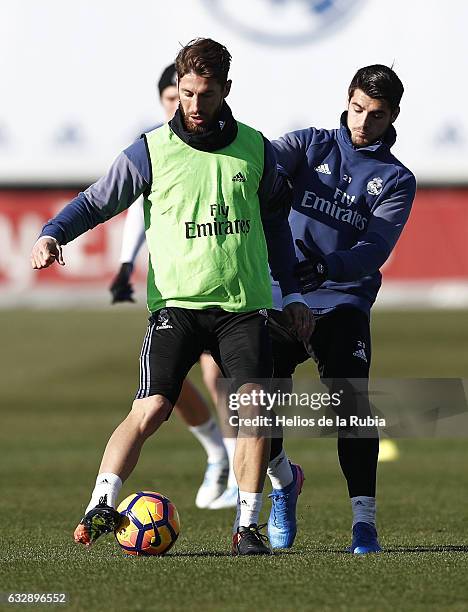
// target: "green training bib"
[[203, 227]]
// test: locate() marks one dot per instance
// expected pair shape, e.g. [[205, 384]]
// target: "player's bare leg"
[[191, 407], [211, 376], [210, 373], [119, 459], [250, 464], [124, 446], [251, 460]]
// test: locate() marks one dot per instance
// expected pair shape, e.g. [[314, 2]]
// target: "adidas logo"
[[361, 354], [239, 178], [323, 168]]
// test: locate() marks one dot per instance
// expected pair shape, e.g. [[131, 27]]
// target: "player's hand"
[[45, 252], [300, 320], [312, 272], [121, 288]]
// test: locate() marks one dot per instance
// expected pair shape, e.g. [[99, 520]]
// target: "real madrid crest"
[[284, 22], [163, 320], [163, 317], [375, 186]]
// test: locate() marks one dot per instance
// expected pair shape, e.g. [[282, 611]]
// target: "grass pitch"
[[67, 378]]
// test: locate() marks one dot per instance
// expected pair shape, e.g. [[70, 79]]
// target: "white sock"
[[230, 446], [279, 471], [209, 436], [249, 506], [363, 509], [237, 519], [106, 484]]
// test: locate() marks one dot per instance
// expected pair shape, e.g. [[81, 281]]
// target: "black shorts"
[[340, 345], [341, 348], [239, 343]]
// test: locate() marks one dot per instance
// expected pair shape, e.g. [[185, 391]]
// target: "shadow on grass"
[[428, 549], [202, 553], [442, 548], [218, 553]]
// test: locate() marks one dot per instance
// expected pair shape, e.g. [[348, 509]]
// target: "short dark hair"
[[378, 81], [168, 78], [204, 57]]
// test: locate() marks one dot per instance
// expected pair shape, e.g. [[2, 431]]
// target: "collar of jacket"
[[221, 135], [386, 143]]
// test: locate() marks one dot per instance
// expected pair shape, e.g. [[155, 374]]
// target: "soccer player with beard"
[[352, 198], [214, 213], [219, 482]]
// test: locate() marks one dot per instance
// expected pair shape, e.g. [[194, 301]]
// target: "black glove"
[[121, 289], [312, 272]]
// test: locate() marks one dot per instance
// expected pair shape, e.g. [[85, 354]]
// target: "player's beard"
[[198, 129]]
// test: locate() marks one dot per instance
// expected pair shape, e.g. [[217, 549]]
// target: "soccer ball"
[[150, 524]]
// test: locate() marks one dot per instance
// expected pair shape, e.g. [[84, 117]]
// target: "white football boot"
[[228, 499], [214, 483]]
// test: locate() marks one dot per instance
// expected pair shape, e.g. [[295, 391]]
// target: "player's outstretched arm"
[[45, 252], [125, 181]]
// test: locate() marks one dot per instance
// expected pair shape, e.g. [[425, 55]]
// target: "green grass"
[[67, 378]]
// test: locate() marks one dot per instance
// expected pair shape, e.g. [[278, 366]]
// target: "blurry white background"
[[78, 79], [78, 84]]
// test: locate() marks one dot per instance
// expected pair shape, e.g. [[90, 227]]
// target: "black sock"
[[276, 447], [358, 460]]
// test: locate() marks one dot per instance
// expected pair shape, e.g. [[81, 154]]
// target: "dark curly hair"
[[204, 57]]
